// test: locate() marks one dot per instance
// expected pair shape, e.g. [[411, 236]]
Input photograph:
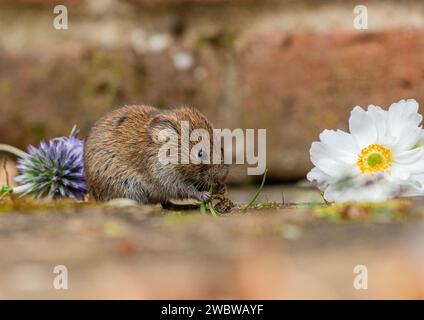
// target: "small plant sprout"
[[203, 208], [212, 209], [209, 205]]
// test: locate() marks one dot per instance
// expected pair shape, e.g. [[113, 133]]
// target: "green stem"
[[209, 205], [212, 209], [257, 192], [22, 190], [202, 208]]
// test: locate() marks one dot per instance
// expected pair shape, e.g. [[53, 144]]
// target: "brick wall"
[[292, 67]]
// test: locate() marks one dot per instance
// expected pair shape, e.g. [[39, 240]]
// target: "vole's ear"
[[161, 127]]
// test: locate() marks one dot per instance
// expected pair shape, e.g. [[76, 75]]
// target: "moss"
[[392, 210], [180, 218], [267, 205], [29, 205], [113, 230], [308, 206], [222, 40]]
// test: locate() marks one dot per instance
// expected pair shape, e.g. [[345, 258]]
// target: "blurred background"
[[292, 67]]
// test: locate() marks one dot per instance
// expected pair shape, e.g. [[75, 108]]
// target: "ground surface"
[[119, 250]]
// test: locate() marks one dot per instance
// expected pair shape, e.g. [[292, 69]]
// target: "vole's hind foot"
[[224, 205]]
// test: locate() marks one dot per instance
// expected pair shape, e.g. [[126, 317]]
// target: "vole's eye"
[[201, 154]]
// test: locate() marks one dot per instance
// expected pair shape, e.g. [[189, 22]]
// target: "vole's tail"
[[13, 150]]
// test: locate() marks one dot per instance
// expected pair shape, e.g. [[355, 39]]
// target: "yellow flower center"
[[375, 158]]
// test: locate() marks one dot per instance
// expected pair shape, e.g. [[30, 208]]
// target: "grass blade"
[[212, 209], [257, 192], [202, 208]]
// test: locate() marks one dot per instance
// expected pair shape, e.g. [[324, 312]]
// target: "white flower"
[[382, 157]]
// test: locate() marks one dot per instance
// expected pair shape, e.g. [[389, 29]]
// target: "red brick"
[[43, 96], [297, 85]]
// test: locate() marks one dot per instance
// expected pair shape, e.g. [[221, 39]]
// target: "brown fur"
[[121, 157]]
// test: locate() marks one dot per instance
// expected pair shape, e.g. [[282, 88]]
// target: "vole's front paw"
[[204, 196]]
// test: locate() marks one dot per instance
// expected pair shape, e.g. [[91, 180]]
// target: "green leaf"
[[5, 190]]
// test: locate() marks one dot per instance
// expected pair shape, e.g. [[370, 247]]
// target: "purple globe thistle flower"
[[54, 169]]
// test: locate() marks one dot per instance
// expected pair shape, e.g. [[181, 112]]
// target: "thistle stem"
[[13, 150], [21, 189]]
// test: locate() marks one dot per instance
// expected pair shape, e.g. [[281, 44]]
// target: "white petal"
[[409, 139], [379, 118], [403, 124], [362, 195], [405, 109], [342, 144], [413, 192], [420, 142], [414, 156], [362, 189], [327, 160], [317, 175], [415, 186], [361, 126], [331, 196], [408, 163], [320, 177]]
